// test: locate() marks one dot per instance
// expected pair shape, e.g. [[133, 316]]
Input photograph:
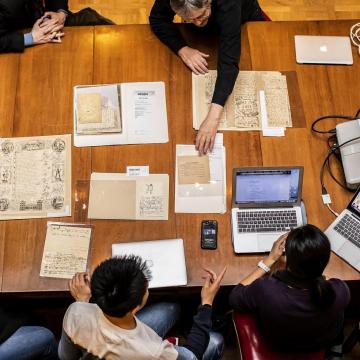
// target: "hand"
[[79, 287], [45, 34], [276, 250], [57, 37], [56, 18], [194, 60], [205, 138], [211, 286]]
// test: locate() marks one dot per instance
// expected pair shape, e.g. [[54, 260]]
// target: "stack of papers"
[[128, 113], [243, 109]]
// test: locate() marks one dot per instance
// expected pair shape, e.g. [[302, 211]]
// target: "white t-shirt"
[[87, 327]]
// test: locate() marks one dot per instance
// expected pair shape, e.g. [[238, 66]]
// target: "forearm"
[[161, 23], [225, 83], [257, 272], [215, 111], [198, 338], [12, 42]]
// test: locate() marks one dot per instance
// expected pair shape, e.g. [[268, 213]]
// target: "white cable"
[[333, 212], [355, 35]]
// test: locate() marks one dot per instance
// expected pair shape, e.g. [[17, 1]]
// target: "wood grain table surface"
[[36, 90]]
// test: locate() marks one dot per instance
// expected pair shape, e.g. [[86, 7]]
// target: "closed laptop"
[[323, 50]]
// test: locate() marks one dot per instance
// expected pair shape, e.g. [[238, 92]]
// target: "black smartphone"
[[209, 229]]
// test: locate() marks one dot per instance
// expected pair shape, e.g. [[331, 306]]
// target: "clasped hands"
[[195, 60], [49, 28]]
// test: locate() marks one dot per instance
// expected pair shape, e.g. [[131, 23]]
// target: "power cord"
[[332, 131], [355, 35], [333, 151]]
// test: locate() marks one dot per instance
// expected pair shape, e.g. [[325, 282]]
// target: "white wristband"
[[262, 266]]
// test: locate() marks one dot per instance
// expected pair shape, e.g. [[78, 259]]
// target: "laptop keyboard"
[[349, 228], [266, 221]]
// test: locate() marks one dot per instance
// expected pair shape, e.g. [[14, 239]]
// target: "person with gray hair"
[[222, 17]]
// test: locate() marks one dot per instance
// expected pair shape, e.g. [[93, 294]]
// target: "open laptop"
[[344, 233], [165, 259], [323, 50], [266, 202]]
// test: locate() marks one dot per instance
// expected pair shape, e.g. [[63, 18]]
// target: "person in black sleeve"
[[116, 325], [47, 19], [223, 16], [297, 308]]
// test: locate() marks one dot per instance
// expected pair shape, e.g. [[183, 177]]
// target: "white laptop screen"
[[272, 186]]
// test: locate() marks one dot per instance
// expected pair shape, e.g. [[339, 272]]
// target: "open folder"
[[200, 181], [119, 196], [128, 113]]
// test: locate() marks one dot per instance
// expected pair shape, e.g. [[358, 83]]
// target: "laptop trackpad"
[[350, 252], [265, 241]]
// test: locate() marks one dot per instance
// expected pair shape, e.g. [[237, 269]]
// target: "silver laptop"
[[323, 50], [266, 202], [165, 259], [344, 233]]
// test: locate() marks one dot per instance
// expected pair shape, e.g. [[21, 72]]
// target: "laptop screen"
[[355, 203], [261, 186]]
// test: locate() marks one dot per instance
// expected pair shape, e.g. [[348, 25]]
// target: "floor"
[[137, 11]]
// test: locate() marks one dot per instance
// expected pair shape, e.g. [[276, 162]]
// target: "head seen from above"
[[307, 253], [120, 285], [196, 12]]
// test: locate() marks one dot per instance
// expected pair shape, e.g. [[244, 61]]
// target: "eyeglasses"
[[201, 17]]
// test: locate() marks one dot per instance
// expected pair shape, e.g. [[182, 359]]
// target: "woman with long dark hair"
[[297, 308]]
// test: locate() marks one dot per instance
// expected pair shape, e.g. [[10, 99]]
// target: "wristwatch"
[[262, 266]]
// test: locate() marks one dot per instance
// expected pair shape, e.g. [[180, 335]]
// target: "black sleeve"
[[245, 298], [10, 41], [55, 5], [198, 338], [228, 18], [161, 22]]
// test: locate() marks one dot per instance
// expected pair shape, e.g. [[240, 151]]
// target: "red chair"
[[253, 346], [265, 16]]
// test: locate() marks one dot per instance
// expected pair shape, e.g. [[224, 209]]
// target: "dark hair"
[[118, 285], [307, 252]]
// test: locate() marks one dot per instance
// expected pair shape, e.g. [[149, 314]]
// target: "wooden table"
[[36, 99]]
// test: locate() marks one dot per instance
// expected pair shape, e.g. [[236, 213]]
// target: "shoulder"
[[341, 289], [79, 314]]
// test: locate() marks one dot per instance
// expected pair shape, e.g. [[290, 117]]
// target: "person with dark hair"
[[221, 17], [47, 19], [297, 308], [116, 325]]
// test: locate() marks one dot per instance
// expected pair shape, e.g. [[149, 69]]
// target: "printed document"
[[35, 177]]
